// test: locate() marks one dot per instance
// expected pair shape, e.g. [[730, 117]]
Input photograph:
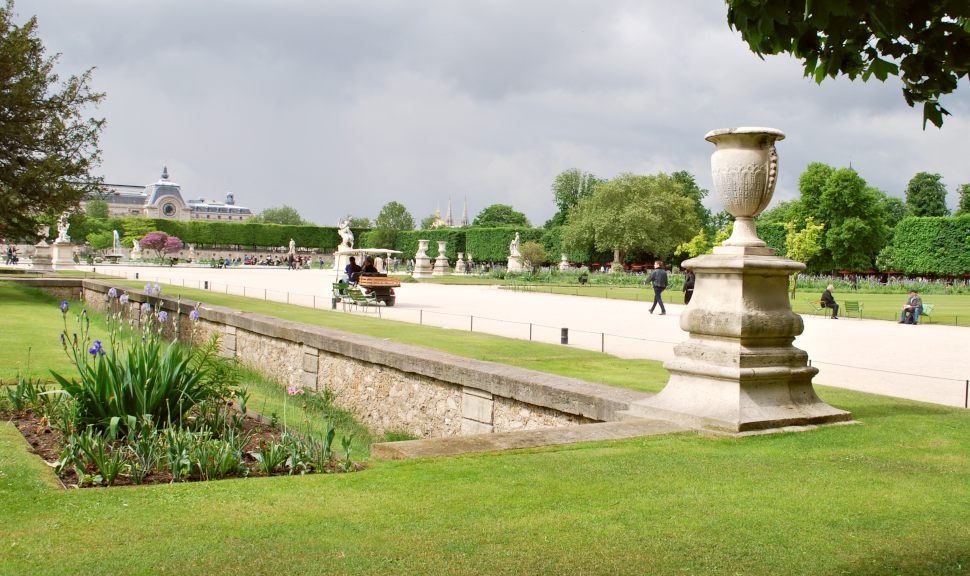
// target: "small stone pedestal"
[[41, 260], [441, 262], [62, 255], [739, 372], [422, 264]]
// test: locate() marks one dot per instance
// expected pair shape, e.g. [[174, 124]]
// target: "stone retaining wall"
[[387, 385]]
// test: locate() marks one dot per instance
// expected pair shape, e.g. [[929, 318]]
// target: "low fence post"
[[603, 342], [564, 336], [530, 331], [206, 284], [471, 323], [966, 394]]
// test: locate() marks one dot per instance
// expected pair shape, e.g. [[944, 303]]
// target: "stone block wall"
[[389, 386]]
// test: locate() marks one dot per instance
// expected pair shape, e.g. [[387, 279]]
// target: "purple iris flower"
[[146, 308], [124, 298], [112, 292], [96, 349], [163, 316], [64, 306], [194, 315]]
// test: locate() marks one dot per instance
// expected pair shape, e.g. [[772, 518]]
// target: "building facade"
[[163, 199]]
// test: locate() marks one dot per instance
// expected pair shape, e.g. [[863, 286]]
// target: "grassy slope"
[[889, 496]]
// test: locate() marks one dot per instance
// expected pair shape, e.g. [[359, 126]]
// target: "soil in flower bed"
[[48, 443]]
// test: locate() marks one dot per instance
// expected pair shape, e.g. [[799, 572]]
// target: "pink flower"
[[294, 391]]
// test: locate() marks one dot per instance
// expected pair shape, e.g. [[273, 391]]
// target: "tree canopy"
[[286, 215], [964, 206], [926, 195], [568, 187], [96, 208], [855, 226], [924, 42], [394, 216], [498, 215], [631, 213], [48, 147]]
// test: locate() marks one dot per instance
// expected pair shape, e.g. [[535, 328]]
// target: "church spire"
[[449, 222], [464, 213]]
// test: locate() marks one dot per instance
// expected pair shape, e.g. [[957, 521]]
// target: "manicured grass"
[[889, 496], [886, 497], [29, 339]]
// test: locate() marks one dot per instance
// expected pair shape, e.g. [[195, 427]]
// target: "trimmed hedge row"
[[930, 245]]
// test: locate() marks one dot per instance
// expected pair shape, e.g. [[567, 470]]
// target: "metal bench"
[[816, 306]]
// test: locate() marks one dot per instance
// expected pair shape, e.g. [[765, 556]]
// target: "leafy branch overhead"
[[924, 42]]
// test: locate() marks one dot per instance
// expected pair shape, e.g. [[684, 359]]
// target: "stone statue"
[[292, 247], [43, 231], [62, 226], [346, 236], [514, 247], [135, 250]]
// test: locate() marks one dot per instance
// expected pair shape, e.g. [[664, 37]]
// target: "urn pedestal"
[[422, 264], [441, 261], [62, 255], [738, 371]]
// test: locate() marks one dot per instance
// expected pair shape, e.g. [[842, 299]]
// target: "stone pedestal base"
[[41, 260], [62, 255], [422, 267], [514, 265], [739, 372], [441, 267]]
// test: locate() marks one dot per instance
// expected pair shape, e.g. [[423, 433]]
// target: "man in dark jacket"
[[688, 286], [658, 277], [828, 301]]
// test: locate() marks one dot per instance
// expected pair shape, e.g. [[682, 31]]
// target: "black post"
[[564, 336], [206, 284], [136, 275], [333, 303]]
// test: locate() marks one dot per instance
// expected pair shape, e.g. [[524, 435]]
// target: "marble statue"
[[62, 227], [514, 247], [346, 236]]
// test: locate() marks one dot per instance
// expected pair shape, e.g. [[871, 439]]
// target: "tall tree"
[[48, 147], [964, 206], [629, 213], [568, 187], [532, 255], [358, 221], [96, 208], [692, 190], [281, 215], [500, 215], [394, 216], [924, 42], [926, 195], [802, 244], [856, 227]]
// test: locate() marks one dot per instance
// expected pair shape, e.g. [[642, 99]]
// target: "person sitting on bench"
[[828, 301], [912, 309]]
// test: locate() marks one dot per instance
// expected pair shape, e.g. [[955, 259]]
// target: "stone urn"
[[422, 249], [744, 167]]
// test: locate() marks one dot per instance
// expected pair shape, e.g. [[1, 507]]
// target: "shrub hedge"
[[930, 245]]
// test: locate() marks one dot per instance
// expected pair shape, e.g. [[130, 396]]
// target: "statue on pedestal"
[[514, 247], [62, 227], [346, 236]]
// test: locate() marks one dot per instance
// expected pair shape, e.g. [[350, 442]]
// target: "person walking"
[[658, 277], [688, 286], [828, 301]]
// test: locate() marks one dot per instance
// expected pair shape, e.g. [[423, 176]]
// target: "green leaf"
[[881, 68]]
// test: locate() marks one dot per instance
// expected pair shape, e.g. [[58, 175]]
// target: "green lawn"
[[889, 496]]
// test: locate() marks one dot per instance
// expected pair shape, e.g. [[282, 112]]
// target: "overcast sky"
[[337, 108]]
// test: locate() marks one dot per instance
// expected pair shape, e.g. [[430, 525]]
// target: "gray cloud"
[[340, 107]]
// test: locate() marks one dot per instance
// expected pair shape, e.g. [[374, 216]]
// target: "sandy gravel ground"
[[927, 362]]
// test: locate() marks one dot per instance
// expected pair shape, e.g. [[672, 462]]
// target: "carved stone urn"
[[745, 168], [739, 372]]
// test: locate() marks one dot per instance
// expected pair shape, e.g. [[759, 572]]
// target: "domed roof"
[[164, 187]]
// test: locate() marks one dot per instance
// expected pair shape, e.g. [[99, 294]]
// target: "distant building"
[[163, 199]]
